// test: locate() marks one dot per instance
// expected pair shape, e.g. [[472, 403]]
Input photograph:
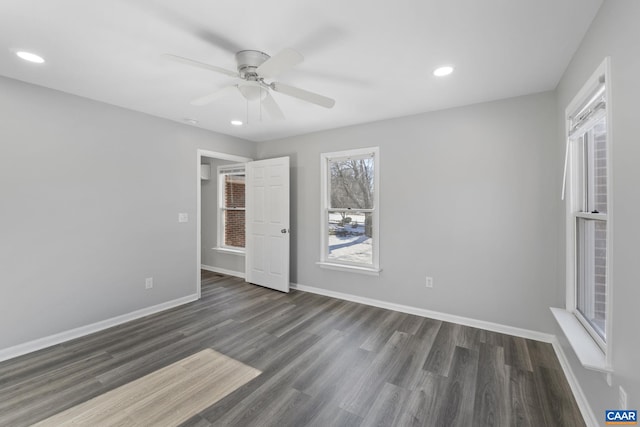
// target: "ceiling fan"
[[253, 68]]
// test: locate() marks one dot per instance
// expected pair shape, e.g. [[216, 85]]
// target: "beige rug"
[[166, 397]]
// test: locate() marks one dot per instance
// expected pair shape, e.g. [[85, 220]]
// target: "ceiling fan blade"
[[279, 62], [200, 65], [272, 108], [304, 95], [207, 99]]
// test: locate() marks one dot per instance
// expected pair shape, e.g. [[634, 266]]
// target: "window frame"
[[325, 208], [222, 172], [575, 209]]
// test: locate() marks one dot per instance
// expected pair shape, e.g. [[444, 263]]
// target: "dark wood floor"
[[324, 362]]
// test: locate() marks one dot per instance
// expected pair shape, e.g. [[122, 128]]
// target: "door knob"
[[284, 231]]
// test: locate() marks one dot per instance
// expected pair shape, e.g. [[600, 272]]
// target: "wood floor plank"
[[526, 410], [390, 323], [30, 411], [280, 381], [421, 405], [542, 354], [386, 365], [492, 405], [196, 421], [324, 362], [56, 380], [418, 349], [555, 395], [388, 406], [441, 354], [516, 353], [168, 396], [456, 405]]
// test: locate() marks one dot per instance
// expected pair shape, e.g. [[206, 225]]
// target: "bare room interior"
[[325, 214]]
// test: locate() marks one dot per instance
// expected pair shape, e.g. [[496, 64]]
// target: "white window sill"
[[588, 352], [350, 268], [230, 251]]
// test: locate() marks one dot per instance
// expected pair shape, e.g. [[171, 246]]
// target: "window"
[[349, 218], [591, 226], [587, 174], [231, 212]]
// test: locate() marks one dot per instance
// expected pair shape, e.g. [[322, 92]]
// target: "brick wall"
[[234, 190], [600, 159]]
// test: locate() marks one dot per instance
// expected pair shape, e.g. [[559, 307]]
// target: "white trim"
[[578, 393], [233, 169], [586, 349], [350, 268], [233, 273], [466, 321], [610, 209], [571, 211], [200, 153], [51, 340], [581, 399], [239, 252], [593, 216], [325, 206]]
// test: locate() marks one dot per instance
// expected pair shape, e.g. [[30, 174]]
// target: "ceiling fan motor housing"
[[248, 61]]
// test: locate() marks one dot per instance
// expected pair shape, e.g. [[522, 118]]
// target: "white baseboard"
[[583, 403], [233, 273], [581, 399], [39, 344], [490, 326]]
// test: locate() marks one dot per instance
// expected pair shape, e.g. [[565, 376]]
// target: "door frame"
[[216, 155]]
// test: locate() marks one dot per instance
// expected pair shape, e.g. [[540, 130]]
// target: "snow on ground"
[[360, 252], [348, 242]]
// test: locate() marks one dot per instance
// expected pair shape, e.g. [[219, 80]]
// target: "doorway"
[[206, 247]]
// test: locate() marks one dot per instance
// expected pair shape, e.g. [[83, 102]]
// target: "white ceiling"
[[375, 58]]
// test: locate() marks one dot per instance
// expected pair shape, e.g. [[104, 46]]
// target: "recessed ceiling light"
[[443, 71], [31, 57], [236, 122], [190, 121]]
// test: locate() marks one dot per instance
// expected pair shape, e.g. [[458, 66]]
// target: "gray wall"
[[209, 223], [615, 33], [468, 196], [90, 195]]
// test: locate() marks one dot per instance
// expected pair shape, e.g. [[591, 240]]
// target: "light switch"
[[183, 217]]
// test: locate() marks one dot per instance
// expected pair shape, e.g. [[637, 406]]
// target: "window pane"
[[591, 272], [598, 190], [234, 228], [350, 237], [351, 183], [234, 191], [233, 210]]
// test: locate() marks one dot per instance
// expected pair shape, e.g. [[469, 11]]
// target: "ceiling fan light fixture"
[[236, 122], [443, 71], [252, 91], [31, 57]]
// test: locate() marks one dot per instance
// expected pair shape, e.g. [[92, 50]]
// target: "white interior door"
[[267, 223]]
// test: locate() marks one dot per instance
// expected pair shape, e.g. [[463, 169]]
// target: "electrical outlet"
[[183, 217], [429, 282], [622, 398], [148, 283]]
